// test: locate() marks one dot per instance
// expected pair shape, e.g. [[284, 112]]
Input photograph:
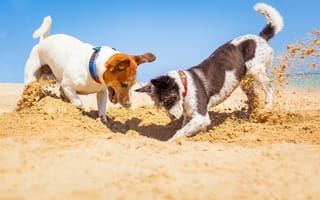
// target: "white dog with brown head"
[[82, 69]]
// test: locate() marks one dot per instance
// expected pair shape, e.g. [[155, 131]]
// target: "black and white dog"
[[191, 92]]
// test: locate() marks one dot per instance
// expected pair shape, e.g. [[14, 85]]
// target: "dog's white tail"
[[274, 20], [44, 30]]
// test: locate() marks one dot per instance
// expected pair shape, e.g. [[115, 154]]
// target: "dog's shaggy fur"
[[213, 80]]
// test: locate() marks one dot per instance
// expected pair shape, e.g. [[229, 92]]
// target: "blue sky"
[[180, 33]]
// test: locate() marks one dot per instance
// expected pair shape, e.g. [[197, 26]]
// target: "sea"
[[310, 81]]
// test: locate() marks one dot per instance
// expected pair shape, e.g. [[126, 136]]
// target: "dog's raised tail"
[[274, 20], [44, 30]]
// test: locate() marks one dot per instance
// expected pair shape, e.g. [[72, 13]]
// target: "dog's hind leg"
[[32, 66], [248, 87], [260, 76], [72, 95], [264, 81]]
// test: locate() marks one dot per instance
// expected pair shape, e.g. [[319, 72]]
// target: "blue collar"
[[92, 64]]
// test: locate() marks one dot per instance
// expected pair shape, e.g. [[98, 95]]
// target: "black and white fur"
[[213, 80]]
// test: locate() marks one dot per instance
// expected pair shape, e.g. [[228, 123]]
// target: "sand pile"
[[40, 111], [35, 91], [49, 115], [293, 127]]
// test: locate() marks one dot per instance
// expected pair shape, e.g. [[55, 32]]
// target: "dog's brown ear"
[[147, 57], [118, 65]]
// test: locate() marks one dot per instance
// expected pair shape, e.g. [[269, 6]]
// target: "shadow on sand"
[[166, 131]]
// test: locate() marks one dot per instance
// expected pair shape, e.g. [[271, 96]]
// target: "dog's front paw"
[[104, 119], [176, 136], [171, 139], [77, 103], [268, 105]]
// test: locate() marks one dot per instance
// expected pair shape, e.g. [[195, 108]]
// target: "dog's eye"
[[124, 85]]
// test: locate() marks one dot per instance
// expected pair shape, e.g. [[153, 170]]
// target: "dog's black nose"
[[127, 104]]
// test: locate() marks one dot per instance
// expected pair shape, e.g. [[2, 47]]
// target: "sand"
[[52, 150]]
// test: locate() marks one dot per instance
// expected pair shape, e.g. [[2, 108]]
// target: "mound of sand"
[[35, 91]]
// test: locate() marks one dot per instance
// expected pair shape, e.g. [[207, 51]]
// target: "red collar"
[[184, 81]]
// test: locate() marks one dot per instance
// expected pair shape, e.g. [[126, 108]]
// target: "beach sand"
[[55, 151]]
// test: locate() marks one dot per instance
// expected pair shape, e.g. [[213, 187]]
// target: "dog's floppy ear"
[[146, 89], [119, 65], [156, 82], [162, 82], [147, 57]]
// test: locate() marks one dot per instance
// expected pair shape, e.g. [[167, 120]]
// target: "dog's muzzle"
[[127, 104]]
